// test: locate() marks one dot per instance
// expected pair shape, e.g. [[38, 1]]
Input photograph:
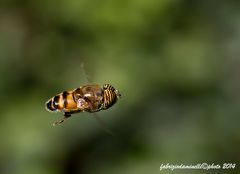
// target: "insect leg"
[[66, 116]]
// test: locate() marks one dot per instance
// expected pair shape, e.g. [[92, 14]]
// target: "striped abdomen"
[[63, 101], [109, 95]]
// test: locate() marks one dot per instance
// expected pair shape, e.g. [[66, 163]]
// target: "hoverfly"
[[88, 98]]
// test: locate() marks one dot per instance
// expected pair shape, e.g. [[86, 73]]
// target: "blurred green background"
[[176, 63]]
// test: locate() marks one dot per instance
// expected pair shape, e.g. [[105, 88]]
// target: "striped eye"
[[105, 86], [110, 97]]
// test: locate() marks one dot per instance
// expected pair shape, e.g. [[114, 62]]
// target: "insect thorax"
[[92, 94]]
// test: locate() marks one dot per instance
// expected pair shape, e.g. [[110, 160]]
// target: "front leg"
[[66, 116]]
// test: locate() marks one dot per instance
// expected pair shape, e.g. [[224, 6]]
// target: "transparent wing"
[[98, 119]]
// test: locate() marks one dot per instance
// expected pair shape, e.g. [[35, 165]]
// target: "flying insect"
[[87, 98]]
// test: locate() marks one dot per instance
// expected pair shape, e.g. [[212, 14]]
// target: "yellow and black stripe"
[[59, 101], [109, 96], [52, 104]]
